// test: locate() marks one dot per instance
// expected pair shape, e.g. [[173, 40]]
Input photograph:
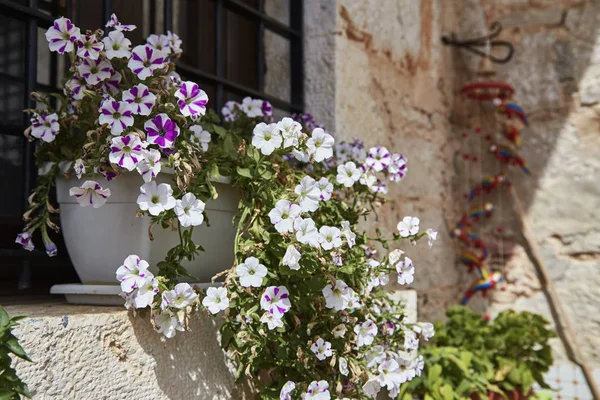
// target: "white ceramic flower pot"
[[99, 239]]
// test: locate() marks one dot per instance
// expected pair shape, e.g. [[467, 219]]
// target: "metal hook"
[[472, 44]]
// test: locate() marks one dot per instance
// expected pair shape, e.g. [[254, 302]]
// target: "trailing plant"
[[471, 355], [11, 386], [305, 313]]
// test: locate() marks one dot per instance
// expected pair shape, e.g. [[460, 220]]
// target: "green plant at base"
[[11, 386]]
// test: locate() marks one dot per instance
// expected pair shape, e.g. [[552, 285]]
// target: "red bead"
[[478, 130], [500, 229], [466, 156]]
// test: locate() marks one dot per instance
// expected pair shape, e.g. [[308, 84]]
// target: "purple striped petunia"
[[75, 87], [378, 158], [111, 85], [117, 114], [144, 60], [276, 300], [126, 151], [45, 127], [89, 47], [95, 71], [62, 35], [90, 194], [118, 26], [141, 99], [397, 167], [161, 131], [192, 101]]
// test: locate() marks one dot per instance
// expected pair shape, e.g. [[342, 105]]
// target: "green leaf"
[[447, 392], [245, 172], [219, 130], [13, 345], [433, 374]]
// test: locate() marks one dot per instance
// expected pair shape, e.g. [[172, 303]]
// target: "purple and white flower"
[[159, 42], [168, 323], [365, 332], [267, 109], [283, 215], [348, 174], [88, 46], [330, 237], [397, 168], [145, 60], [339, 296], [133, 273], [174, 43], [111, 85], [182, 296], [95, 71], [45, 127], [320, 145], [411, 340], [291, 258], [378, 158], [161, 131], [286, 390], [308, 194], [343, 366], [201, 137], [126, 151], [24, 239], [90, 194], [322, 349], [424, 329], [76, 86], [325, 189], [348, 234], [275, 300], [149, 166], [142, 100], [144, 295], [62, 35], [251, 272], [192, 101], [156, 198], [306, 232], [317, 391], [228, 111], [266, 138], [389, 375], [116, 45], [117, 114], [409, 226], [252, 107], [189, 210], [216, 299], [406, 271], [116, 25]]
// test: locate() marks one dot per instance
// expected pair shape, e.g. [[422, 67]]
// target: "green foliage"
[[11, 386], [472, 355]]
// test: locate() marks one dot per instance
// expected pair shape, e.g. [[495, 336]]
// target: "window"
[[232, 49]]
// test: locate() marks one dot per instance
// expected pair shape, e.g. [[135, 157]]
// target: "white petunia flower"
[[156, 198], [411, 340], [406, 271], [45, 127], [378, 158], [216, 299], [229, 111], [189, 210], [325, 189], [90, 194], [145, 60], [431, 236], [330, 237], [62, 35], [140, 98], [89, 47], [271, 321], [371, 388], [126, 151], [133, 273], [320, 145], [144, 296], [200, 136], [339, 331], [308, 193], [343, 366], [168, 323], [149, 166], [339, 296], [251, 107], [389, 375], [424, 329], [409, 226], [117, 114], [291, 131], [251, 272], [306, 232], [291, 259], [317, 391], [286, 390], [348, 234], [95, 71], [275, 299], [348, 174], [181, 296], [266, 138], [301, 155], [365, 333], [283, 215], [116, 45], [375, 356], [418, 365], [322, 349], [192, 100]]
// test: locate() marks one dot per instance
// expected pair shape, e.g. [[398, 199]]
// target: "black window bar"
[[36, 14]]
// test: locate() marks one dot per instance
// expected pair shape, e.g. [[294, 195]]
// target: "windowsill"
[[54, 306]]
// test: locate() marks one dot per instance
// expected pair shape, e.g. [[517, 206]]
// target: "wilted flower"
[[115, 24], [24, 239]]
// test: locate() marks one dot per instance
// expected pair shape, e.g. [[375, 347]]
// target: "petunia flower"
[[432, 236], [291, 131], [251, 107], [200, 136], [266, 138], [389, 374], [133, 273], [145, 60], [111, 85], [348, 174], [291, 259], [397, 168], [283, 215], [189, 210], [159, 42], [95, 71], [325, 189], [424, 329], [168, 323], [330, 237], [371, 388], [406, 271], [365, 333], [286, 390], [140, 98], [337, 297], [144, 296], [51, 249], [317, 391], [343, 366], [62, 35], [181, 296], [267, 109], [229, 109], [88, 46], [161, 131], [75, 87], [45, 127], [308, 194], [25, 240], [192, 101], [90, 194], [174, 43], [117, 114], [275, 299], [411, 340], [251, 272], [114, 23], [339, 331], [216, 299], [126, 151], [271, 321], [306, 232], [322, 349], [378, 158], [348, 234], [156, 198], [116, 45], [320, 145], [149, 166], [409, 226]]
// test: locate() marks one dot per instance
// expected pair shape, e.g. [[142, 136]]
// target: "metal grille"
[[22, 23]]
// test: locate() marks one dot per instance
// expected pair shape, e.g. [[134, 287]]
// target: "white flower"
[[266, 138], [252, 108], [424, 329], [291, 258], [371, 388], [291, 131], [348, 174], [133, 273], [145, 60], [325, 189], [418, 364], [200, 136], [79, 168], [432, 236], [90, 194], [406, 271], [216, 299], [343, 366], [174, 43], [271, 321], [117, 114], [275, 300], [339, 296], [411, 341], [116, 45], [317, 391], [348, 234], [62, 35], [306, 232], [192, 101], [286, 391], [149, 166], [339, 331], [95, 71], [320, 145], [308, 193], [144, 296], [330, 237], [114, 23], [322, 349], [168, 323], [139, 97], [283, 215], [89, 47], [126, 151], [378, 158], [156, 198], [301, 156], [251, 272], [181, 296], [375, 356], [365, 333], [389, 374], [45, 127], [159, 42], [409, 226], [189, 210]]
